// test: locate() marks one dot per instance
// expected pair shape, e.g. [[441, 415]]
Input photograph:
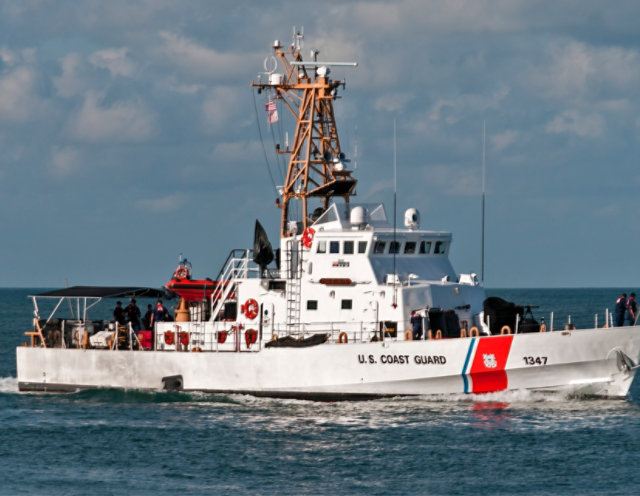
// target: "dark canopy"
[[106, 292]]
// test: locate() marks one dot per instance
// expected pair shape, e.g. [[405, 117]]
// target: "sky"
[[130, 135]]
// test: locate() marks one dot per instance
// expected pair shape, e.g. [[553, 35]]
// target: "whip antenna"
[[483, 198]]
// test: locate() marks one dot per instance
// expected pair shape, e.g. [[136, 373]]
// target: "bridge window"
[[362, 247], [394, 247], [322, 246], [312, 304], [425, 247], [410, 247], [346, 305], [348, 247], [379, 247], [441, 247], [334, 246]]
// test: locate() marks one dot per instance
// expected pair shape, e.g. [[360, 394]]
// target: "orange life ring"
[[250, 308], [505, 329], [181, 273], [307, 237], [184, 338], [343, 338], [438, 334], [222, 337], [543, 327], [169, 337], [474, 332], [408, 335], [250, 337]]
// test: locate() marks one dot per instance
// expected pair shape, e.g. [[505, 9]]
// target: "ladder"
[[292, 291]]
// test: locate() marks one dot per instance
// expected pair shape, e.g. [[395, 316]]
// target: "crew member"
[[133, 315], [118, 313], [416, 325], [632, 309], [621, 308]]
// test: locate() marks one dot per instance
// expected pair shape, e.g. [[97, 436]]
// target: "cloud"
[[185, 89], [393, 103], [115, 60], [64, 160], [451, 110], [221, 106], [578, 71], [239, 152], [452, 180], [198, 60], [124, 122], [572, 122], [503, 140], [70, 83], [163, 204], [7, 57], [19, 100]]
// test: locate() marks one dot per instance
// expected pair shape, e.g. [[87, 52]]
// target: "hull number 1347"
[[537, 360]]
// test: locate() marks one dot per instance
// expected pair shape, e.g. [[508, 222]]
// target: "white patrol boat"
[[330, 318]]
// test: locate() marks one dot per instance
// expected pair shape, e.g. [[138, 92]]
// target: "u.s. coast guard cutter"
[[329, 319]]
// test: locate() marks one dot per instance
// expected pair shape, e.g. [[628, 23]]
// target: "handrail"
[[236, 267]]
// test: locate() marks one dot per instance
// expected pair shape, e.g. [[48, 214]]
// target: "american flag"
[[272, 111]]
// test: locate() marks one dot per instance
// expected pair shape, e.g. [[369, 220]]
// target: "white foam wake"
[[8, 384]]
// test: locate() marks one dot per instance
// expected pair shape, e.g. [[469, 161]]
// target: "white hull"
[[595, 362]]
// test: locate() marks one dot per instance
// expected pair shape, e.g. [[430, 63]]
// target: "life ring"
[[184, 338], [343, 338], [181, 273], [438, 334], [222, 337], [169, 337], [250, 337], [463, 333], [408, 335], [505, 329], [250, 308], [307, 237], [543, 327], [474, 332]]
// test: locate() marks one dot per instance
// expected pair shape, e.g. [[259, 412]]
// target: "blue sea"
[[126, 442]]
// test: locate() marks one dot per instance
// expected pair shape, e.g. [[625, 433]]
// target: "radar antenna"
[[316, 163]]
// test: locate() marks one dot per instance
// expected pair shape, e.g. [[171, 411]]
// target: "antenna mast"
[[483, 198], [316, 164]]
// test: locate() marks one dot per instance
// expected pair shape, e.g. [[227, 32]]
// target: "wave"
[[8, 384]]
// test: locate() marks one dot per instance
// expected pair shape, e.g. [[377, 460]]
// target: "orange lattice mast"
[[316, 163]]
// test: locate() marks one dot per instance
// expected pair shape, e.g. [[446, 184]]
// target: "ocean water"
[[117, 442]]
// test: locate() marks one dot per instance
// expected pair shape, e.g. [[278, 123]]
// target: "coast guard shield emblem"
[[490, 360]]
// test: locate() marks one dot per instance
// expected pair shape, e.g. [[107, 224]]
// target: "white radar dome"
[[358, 216], [412, 218]]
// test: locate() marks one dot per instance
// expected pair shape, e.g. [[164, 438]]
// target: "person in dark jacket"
[[146, 321], [118, 314], [133, 315], [416, 325], [621, 308], [632, 309]]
